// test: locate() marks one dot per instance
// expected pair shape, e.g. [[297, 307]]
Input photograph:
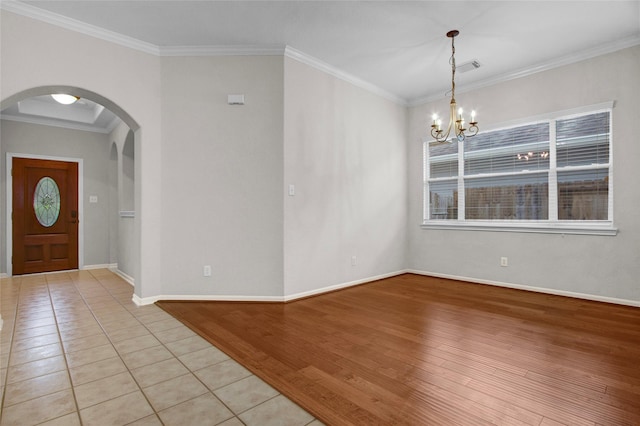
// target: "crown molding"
[[100, 33], [23, 9], [221, 50], [78, 26], [130, 42], [524, 72], [331, 70]]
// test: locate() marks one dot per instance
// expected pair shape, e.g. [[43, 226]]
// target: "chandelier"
[[456, 120]]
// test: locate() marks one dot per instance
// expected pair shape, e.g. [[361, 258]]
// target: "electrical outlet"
[[504, 261], [206, 270], [353, 261]]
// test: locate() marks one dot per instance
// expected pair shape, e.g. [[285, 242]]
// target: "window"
[[551, 173]]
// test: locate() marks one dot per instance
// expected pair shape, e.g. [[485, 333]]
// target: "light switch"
[[292, 190], [93, 199]]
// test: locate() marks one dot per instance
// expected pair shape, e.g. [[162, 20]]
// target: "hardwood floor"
[[418, 350]]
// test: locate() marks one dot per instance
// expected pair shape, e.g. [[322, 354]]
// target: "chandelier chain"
[[452, 61]]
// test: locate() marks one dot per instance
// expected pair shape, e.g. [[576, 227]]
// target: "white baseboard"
[[291, 297], [144, 301], [288, 298], [127, 278], [141, 301], [4, 275], [102, 266], [584, 296]]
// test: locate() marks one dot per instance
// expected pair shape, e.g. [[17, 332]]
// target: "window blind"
[[583, 140], [443, 160], [509, 150], [524, 173]]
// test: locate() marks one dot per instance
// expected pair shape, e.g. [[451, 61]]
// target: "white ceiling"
[[398, 47]]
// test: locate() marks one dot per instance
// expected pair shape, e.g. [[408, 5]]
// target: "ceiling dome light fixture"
[[456, 120], [65, 99]]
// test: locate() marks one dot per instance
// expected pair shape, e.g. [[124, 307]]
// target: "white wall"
[[345, 152], [112, 181], [602, 266], [93, 149], [122, 231], [36, 54], [222, 176]]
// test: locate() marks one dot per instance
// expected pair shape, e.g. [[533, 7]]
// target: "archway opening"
[[97, 177]]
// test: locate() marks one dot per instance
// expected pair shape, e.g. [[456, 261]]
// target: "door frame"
[[9, 204]]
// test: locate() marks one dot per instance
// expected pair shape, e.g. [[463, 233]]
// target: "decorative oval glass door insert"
[[46, 201]]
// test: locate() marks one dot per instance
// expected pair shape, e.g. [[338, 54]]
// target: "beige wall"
[[345, 152], [222, 176], [601, 266]]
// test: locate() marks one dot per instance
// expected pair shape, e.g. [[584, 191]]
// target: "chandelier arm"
[[473, 129], [438, 134]]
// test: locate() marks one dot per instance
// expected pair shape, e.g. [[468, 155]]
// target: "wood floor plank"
[[413, 350]]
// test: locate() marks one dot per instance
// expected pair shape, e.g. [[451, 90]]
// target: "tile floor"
[[75, 350]]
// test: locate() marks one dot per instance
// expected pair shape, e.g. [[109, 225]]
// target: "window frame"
[[550, 225]]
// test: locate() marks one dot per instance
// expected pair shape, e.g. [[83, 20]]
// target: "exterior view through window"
[[550, 171]]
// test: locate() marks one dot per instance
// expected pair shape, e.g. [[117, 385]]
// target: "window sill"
[[601, 228]]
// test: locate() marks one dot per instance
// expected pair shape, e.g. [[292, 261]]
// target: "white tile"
[[205, 410], [278, 411], [245, 394], [174, 391]]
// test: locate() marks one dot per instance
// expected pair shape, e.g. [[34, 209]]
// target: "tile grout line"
[[237, 415], [64, 354], [84, 300], [179, 360], [161, 344], [11, 350], [60, 340]]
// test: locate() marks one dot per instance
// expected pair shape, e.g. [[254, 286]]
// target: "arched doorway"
[[131, 126]]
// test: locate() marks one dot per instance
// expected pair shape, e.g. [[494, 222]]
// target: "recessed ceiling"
[[399, 47], [81, 115]]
